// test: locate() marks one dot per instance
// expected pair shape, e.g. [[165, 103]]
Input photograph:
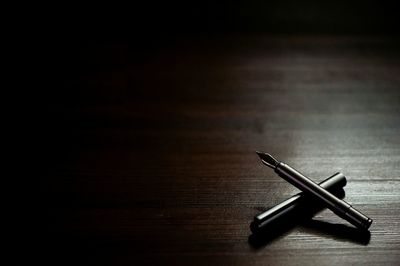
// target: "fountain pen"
[[338, 206]]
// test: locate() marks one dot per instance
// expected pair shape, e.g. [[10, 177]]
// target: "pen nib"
[[267, 159]]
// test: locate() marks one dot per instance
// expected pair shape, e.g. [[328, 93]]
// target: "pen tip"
[[267, 159]]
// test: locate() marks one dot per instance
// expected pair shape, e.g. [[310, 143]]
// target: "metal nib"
[[267, 159]]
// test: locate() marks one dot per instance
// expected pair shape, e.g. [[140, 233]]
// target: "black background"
[[82, 41]]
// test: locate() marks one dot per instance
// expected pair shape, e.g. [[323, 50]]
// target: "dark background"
[[155, 109], [160, 17]]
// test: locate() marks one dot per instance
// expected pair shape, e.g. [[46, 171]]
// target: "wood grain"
[[154, 158]]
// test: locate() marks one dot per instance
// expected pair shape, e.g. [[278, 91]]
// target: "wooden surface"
[[153, 158]]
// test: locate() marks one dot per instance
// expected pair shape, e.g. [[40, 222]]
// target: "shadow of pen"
[[303, 217], [337, 231], [340, 232]]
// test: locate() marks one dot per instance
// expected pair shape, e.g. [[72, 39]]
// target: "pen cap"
[[335, 181], [299, 202]]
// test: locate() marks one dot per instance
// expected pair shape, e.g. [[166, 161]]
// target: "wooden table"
[[154, 158]]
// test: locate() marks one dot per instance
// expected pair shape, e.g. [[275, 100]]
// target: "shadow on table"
[[337, 231], [321, 228], [302, 217]]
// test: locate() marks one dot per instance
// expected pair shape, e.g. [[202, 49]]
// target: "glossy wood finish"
[[154, 158]]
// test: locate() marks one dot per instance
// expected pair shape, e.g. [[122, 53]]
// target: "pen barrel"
[[338, 206]]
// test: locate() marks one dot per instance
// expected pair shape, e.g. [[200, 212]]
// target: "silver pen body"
[[338, 206]]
